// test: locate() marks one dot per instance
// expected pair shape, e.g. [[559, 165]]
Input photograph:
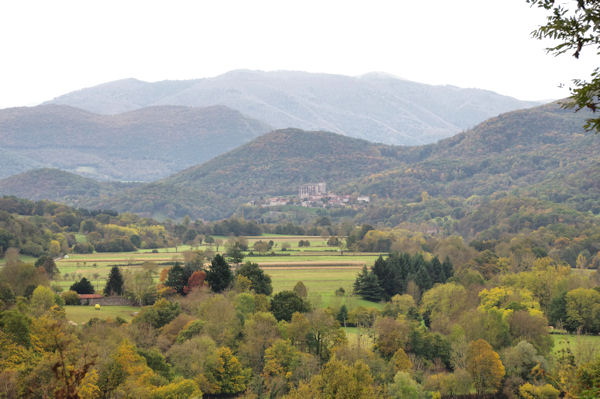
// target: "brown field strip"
[[313, 263], [116, 260], [285, 238], [314, 267]]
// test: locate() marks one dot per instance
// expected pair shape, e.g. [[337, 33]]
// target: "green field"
[[95, 267], [22, 258], [81, 314], [589, 342], [321, 268], [321, 284]]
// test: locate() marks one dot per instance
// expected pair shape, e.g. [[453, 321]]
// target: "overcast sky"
[[49, 48]]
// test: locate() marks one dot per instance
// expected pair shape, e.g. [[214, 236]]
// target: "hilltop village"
[[315, 195]]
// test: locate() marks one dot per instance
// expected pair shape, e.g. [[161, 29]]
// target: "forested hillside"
[[375, 107], [530, 152], [438, 317], [55, 184], [12, 163], [540, 153], [514, 150], [141, 145]]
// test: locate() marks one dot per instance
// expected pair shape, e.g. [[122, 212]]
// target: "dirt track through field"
[[323, 263], [325, 267]]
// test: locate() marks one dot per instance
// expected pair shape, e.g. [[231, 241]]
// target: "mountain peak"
[[377, 106]]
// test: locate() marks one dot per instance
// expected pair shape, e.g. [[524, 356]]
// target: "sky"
[[49, 48]]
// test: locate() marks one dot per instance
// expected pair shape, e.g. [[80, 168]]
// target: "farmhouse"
[[93, 299]]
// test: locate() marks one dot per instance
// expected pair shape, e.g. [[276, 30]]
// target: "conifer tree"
[[178, 278], [342, 315], [436, 271], [385, 275], [358, 283], [448, 270], [423, 279], [219, 275], [82, 287], [370, 289], [114, 285]]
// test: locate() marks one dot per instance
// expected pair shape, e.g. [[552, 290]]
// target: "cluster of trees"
[[401, 273], [478, 326], [221, 333], [51, 229]]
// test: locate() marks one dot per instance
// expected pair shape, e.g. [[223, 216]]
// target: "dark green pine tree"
[[83, 287], [423, 279], [358, 283], [447, 269], [371, 290], [436, 272], [219, 275], [342, 315], [178, 278], [386, 276], [114, 285]]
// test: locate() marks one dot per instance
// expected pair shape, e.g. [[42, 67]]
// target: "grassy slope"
[[81, 314]]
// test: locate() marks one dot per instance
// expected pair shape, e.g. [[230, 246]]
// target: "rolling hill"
[[374, 107], [540, 152], [55, 184], [516, 150], [141, 145], [12, 163]]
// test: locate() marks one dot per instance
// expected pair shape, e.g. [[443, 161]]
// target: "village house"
[[93, 299]]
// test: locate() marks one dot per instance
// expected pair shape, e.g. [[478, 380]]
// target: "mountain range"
[[141, 145], [537, 151], [375, 107]]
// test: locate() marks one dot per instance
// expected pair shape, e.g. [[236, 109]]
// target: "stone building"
[[312, 190]]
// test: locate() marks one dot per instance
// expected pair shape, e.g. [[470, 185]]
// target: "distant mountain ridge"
[[141, 145], [12, 163], [541, 152], [375, 107], [45, 183]]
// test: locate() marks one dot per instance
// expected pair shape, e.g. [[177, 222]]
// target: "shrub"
[[70, 297]]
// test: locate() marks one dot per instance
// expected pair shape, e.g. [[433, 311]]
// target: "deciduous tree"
[[485, 366], [261, 282], [285, 303]]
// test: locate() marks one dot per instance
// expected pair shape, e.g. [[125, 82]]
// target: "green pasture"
[[369, 260], [321, 268], [572, 341], [81, 314], [321, 284], [22, 258], [316, 243]]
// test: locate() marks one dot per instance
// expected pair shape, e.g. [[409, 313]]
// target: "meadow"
[[323, 269], [82, 314], [589, 343]]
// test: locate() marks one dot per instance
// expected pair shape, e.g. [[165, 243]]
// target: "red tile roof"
[[90, 296]]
